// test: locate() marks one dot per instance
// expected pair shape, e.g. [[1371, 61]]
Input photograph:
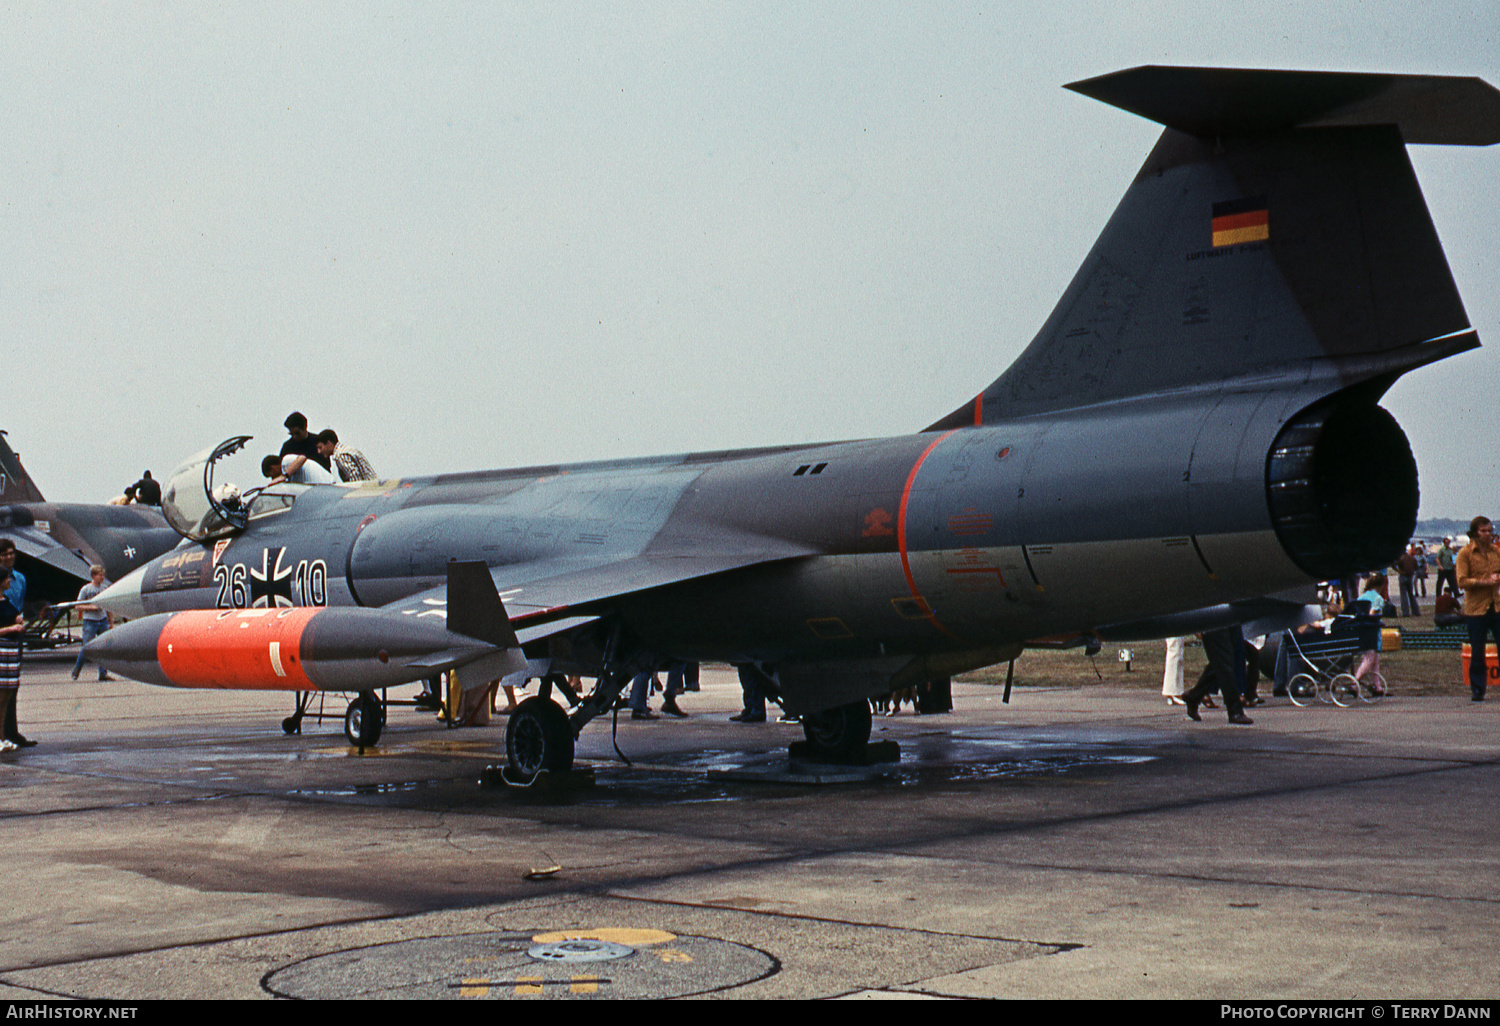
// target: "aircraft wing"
[[550, 596]]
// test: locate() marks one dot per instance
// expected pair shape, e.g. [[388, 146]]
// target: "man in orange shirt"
[[1478, 571]]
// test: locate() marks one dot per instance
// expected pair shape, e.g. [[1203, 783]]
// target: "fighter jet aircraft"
[[1190, 441], [56, 543]]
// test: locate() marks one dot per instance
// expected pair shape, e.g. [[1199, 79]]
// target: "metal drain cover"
[[582, 950], [527, 965]]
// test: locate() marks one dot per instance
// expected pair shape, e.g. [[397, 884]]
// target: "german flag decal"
[[1241, 220]]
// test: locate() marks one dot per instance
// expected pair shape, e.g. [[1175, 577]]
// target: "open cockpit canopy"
[[198, 509]]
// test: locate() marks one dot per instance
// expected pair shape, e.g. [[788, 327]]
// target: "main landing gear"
[[840, 734], [539, 737]]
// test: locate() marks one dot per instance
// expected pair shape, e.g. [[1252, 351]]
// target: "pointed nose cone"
[[130, 650], [123, 598]]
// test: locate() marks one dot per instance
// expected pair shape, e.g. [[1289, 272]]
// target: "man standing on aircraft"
[[146, 491], [295, 469], [302, 447], [1478, 571], [348, 463]]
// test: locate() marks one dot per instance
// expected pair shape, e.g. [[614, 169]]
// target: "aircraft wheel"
[[291, 725], [844, 729], [539, 737], [363, 721]]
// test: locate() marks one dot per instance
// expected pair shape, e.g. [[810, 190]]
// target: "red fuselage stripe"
[[911, 583]]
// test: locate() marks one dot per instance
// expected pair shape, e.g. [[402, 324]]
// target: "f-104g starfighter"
[[1191, 440]]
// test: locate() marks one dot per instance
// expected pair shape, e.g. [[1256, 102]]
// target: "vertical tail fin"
[[15, 484], [1277, 229]]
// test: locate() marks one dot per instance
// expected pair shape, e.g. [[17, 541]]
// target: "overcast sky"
[[496, 234]]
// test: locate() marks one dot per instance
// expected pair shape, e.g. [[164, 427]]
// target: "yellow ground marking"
[[471, 749], [368, 753], [611, 934]]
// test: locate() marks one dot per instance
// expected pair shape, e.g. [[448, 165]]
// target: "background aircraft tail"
[[1276, 229], [15, 484]]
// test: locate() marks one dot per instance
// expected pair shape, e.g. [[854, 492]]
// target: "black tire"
[[844, 729], [364, 720], [539, 737], [291, 725]]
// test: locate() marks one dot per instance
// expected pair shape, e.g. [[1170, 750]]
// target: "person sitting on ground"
[[1447, 611]]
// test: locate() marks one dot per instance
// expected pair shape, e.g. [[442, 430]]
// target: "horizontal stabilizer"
[[1214, 102], [488, 666]]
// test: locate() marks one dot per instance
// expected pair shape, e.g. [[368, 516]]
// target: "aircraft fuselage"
[[959, 542]]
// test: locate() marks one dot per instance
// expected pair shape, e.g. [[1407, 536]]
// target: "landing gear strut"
[[293, 723]]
